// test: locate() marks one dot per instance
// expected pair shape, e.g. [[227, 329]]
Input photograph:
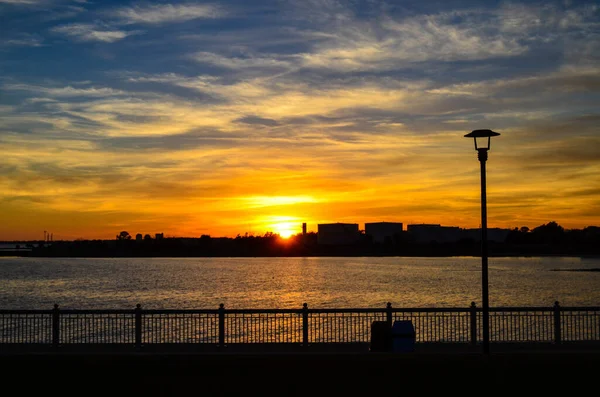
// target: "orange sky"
[[154, 122]]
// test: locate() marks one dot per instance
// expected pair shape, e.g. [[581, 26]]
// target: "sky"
[[228, 117]]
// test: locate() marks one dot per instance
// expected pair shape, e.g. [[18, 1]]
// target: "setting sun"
[[285, 229], [284, 226]]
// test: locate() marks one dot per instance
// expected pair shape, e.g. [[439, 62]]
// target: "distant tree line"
[[546, 239]]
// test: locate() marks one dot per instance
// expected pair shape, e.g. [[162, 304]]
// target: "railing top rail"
[[265, 311], [97, 311], [349, 310], [182, 311], [520, 309], [431, 310]]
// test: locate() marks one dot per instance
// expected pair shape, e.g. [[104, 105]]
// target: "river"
[[323, 282]]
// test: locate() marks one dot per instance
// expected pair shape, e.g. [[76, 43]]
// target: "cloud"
[[241, 62], [390, 43], [23, 42], [67, 91], [544, 18], [91, 32], [23, 2], [6, 109], [165, 13], [567, 79], [40, 100], [257, 121], [177, 142]]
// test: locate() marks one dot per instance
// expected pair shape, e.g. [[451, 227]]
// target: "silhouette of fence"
[[221, 327]]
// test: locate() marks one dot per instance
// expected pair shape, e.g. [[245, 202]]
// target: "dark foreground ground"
[[505, 372]]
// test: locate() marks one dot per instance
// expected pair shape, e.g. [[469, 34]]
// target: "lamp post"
[[482, 145]]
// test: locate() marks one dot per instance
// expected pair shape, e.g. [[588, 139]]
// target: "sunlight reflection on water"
[[326, 282]]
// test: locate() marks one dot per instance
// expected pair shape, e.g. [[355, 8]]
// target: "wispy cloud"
[[23, 41], [391, 43], [165, 13], [567, 79], [241, 62], [67, 91], [23, 2], [91, 32], [541, 19]]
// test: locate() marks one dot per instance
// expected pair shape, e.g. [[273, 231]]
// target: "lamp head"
[[482, 138]]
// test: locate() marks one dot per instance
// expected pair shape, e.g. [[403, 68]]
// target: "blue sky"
[[233, 116]]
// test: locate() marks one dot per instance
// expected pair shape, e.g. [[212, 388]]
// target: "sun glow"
[[270, 201], [285, 229]]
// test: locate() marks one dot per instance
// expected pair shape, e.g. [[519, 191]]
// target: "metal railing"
[[221, 327]]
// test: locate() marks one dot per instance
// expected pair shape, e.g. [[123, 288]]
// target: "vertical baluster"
[[516, 320], [522, 328], [221, 325], [55, 326], [138, 326], [534, 328]]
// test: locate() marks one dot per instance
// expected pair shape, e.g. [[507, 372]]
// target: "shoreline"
[[516, 255]]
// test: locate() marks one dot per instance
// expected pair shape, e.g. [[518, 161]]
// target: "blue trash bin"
[[403, 336]]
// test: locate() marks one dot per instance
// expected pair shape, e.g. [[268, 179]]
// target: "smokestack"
[[304, 228]]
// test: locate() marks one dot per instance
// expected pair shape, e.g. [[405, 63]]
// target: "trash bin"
[[403, 336], [381, 337]]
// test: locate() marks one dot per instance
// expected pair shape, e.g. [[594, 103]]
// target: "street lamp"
[[482, 145]]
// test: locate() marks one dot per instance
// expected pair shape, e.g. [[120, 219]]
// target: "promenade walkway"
[[508, 370]]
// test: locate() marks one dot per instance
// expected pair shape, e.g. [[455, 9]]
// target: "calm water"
[[187, 283]]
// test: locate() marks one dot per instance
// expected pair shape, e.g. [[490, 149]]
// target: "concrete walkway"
[[425, 371]]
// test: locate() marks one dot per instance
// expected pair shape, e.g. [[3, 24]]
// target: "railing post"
[[389, 314], [138, 326], [557, 334], [55, 326], [305, 325], [221, 325], [473, 323]]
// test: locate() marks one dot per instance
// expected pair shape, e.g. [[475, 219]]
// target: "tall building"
[[382, 231], [337, 233]]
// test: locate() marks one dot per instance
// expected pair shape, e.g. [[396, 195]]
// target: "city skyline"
[[294, 230], [194, 118]]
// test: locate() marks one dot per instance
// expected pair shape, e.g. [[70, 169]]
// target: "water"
[[325, 282]]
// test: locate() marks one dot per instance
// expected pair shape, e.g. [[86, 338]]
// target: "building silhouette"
[[494, 234], [427, 233], [380, 232], [337, 233]]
